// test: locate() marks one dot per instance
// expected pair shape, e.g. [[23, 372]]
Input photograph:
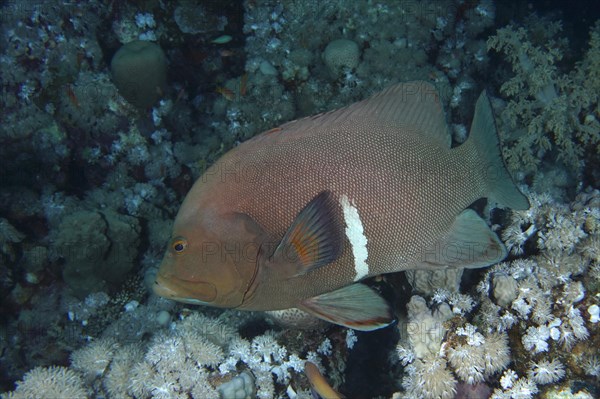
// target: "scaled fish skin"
[[298, 215]]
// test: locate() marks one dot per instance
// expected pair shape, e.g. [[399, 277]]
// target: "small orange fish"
[[225, 92], [72, 96], [318, 383], [244, 84], [180, 95], [226, 53]]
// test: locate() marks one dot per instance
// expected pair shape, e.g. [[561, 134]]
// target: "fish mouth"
[[192, 292]]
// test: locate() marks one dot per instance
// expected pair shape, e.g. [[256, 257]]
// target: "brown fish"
[[299, 215]]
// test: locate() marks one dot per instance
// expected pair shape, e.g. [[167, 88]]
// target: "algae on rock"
[[99, 249]]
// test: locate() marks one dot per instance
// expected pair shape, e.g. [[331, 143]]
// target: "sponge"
[[341, 54], [139, 70]]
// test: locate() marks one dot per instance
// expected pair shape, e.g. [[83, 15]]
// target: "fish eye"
[[179, 244]]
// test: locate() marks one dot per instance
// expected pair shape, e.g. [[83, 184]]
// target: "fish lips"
[[192, 292]]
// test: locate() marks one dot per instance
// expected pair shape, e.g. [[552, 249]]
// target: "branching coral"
[[429, 378], [93, 360], [436, 358], [547, 304], [536, 314], [554, 227], [548, 109], [545, 372], [197, 357], [49, 382]]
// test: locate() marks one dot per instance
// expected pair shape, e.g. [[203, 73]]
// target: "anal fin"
[[355, 306], [468, 244]]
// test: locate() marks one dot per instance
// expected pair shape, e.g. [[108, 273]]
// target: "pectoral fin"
[[313, 240], [355, 306], [468, 244]]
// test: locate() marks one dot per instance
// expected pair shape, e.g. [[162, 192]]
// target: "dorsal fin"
[[414, 105]]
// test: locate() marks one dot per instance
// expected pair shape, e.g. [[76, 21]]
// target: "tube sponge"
[[139, 70]]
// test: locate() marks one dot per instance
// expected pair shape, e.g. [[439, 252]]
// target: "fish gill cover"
[[91, 183]]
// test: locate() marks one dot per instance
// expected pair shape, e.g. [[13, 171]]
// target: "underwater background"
[[110, 110]]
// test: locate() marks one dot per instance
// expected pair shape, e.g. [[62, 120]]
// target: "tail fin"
[[484, 137]]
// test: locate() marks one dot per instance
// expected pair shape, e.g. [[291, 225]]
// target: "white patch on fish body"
[[356, 235]]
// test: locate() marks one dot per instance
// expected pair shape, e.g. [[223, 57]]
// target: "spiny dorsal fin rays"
[[313, 240], [415, 105]]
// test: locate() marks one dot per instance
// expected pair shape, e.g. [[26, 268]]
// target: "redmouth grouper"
[[297, 216]]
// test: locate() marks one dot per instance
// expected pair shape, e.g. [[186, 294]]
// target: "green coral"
[[549, 111]]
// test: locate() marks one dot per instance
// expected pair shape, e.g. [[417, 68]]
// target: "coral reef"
[[99, 248], [434, 354], [91, 184], [550, 112], [197, 356], [51, 382], [540, 309]]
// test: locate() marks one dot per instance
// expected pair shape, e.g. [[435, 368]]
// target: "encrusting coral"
[[99, 249]]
